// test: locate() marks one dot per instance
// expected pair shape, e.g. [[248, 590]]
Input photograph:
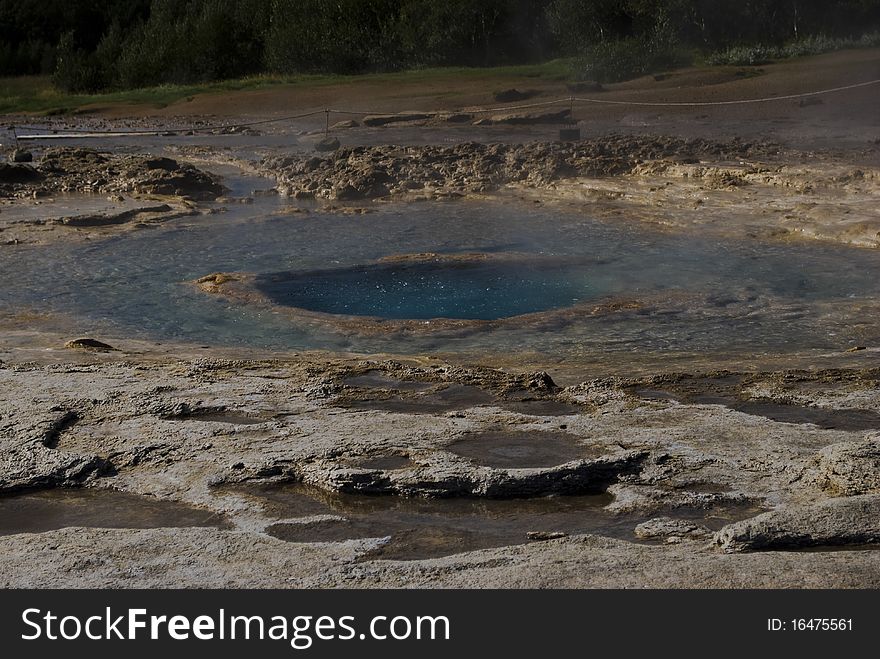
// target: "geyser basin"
[[465, 286]]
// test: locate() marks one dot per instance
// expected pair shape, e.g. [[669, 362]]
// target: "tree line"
[[95, 45]]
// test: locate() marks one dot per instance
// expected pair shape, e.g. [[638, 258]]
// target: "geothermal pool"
[[631, 288], [440, 288]]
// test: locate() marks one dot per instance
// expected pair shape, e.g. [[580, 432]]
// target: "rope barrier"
[[75, 132], [571, 100], [738, 102]]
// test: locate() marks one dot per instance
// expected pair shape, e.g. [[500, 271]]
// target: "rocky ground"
[[203, 432], [41, 199], [70, 170], [381, 171]]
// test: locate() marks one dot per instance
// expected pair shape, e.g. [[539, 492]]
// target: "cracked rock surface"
[[204, 431]]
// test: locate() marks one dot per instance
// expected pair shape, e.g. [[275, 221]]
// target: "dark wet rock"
[[443, 476], [215, 279], [53, 429], [101, 220], [850, 468], [89, 344], [668, 527], [541, 381], [18, 174], [511, 95], [541, 536], [346, 192], [367, 184], [185, 181], [845, 521], [584, 86], [70, 160], [21, 155], [328, 143], [75, 169], [383, 119], [166, 164]]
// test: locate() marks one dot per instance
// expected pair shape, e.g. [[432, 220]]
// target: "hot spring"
[[567, 285]]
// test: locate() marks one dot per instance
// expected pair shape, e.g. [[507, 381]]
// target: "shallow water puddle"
[[48, 510], [842, 419], [426, 528], [519, 402], [507, 449], [447, 398], [379, 380], [846, 419], [384, 462]]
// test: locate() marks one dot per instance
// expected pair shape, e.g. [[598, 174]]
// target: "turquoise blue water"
[[475, 291]]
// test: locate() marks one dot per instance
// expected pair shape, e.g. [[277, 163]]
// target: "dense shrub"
[[93, 45], [743, 55], [812, 45], [629, 57]]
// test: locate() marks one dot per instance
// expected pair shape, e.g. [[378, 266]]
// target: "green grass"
[[34, 94], [815, 45]]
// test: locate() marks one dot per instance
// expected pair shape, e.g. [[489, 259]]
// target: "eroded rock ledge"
[[379, 171], [444, 475], [67, 169], [848, 521]]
